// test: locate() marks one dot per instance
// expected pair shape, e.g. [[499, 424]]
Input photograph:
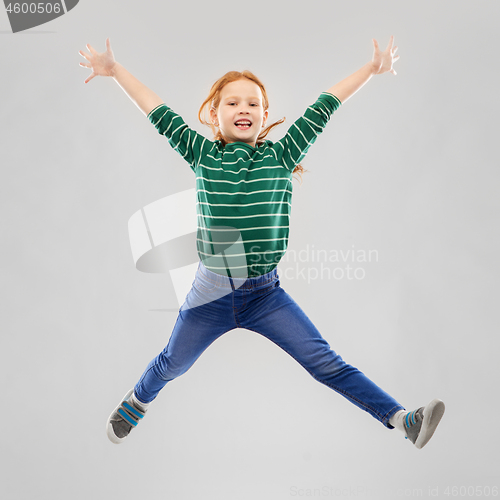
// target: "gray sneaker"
[[124, 418], [421, 424]]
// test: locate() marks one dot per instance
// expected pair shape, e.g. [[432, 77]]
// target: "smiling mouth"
[[243, 124]]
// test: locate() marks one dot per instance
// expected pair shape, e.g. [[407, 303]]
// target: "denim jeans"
[[217, 304]]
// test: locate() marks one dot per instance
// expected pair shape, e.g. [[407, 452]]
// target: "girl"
[[244, 189]]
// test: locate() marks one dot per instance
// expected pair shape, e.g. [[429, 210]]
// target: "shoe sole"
[[433, 413], [109, 428]]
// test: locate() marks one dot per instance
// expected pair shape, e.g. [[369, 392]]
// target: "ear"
[[213, 117], [264, 121]]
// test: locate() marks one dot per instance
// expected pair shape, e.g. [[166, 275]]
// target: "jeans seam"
[[235, 311]]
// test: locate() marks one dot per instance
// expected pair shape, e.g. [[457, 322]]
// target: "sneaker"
[[124, 418], [421, 424]]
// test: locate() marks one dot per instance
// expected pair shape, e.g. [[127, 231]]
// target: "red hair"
[[213, 101]]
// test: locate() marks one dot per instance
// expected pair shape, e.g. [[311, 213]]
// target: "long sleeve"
[[303, 132], [191, 145]]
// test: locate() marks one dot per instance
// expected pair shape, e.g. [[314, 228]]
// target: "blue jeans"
[[217, 304]]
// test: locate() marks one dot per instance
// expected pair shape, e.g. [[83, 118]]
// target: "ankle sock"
[[397, 420], [142, 406]]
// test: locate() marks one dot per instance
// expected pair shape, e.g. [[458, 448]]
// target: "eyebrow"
[[237, 97]]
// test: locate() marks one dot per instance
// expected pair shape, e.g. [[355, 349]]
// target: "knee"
[[166, 369], [329, 365]]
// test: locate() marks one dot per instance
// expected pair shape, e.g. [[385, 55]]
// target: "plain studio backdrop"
[[405, 173]]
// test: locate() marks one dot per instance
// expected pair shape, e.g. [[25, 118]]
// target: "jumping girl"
[[244, 192]]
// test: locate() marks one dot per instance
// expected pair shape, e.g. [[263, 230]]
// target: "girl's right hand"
[[101, 64]]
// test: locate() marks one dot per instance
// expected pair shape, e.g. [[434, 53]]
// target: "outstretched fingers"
[[90, 77], [84, 55], [86, 65]]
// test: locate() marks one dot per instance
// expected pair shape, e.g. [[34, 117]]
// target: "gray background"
[[408, 167]]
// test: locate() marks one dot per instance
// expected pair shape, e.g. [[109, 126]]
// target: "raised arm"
[[104, 64], [381, 62]]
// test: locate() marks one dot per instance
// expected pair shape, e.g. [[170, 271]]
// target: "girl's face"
[[240, 115]]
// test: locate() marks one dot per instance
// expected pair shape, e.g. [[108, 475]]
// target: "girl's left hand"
[[383, 61]]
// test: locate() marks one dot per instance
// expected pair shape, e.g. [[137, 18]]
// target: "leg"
[[195, 329], [278, 317], [203, 318]]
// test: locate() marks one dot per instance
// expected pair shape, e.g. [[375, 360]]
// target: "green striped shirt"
[[244, 193]]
